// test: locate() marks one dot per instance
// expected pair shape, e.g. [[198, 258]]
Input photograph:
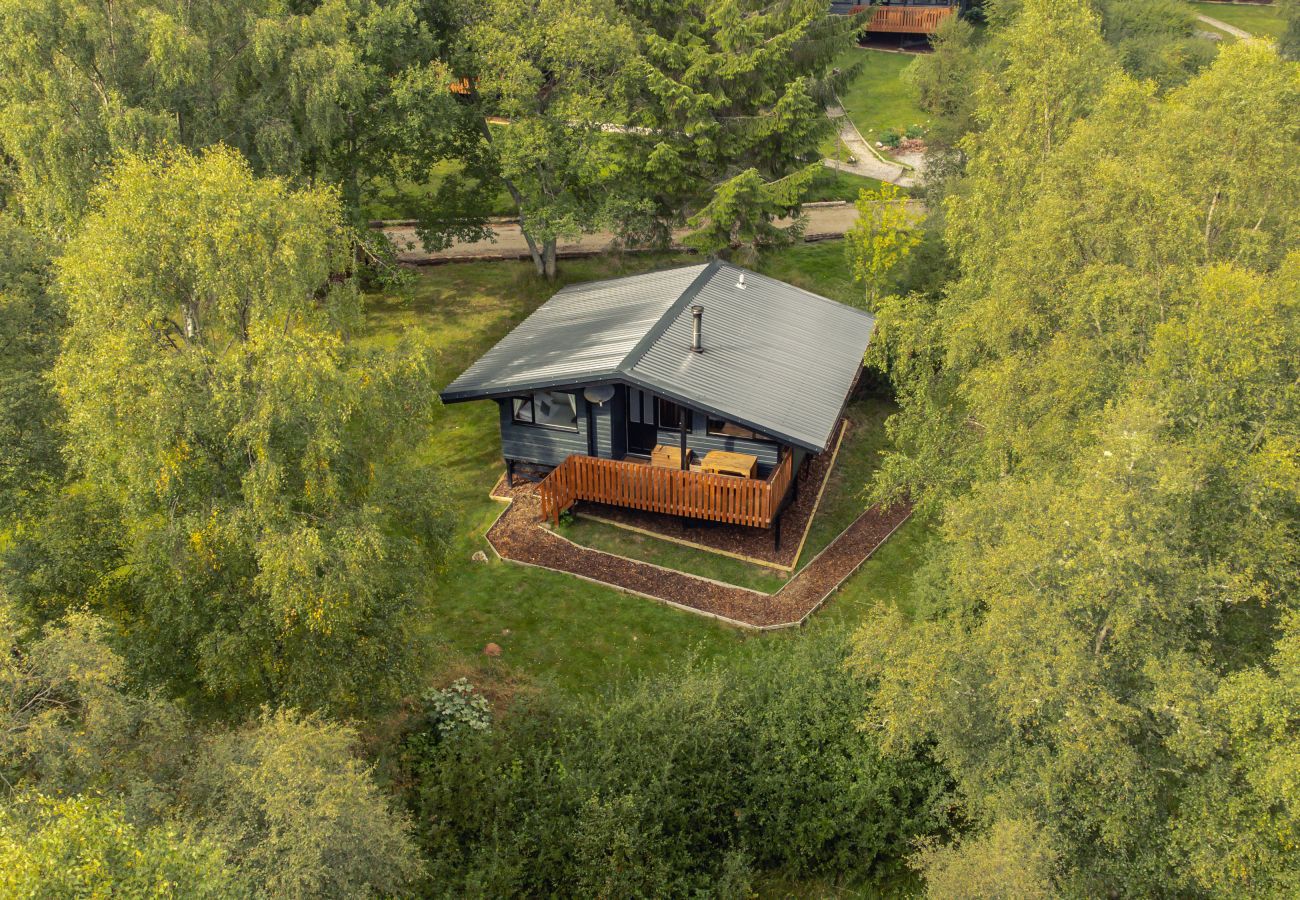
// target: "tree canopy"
[[1100, 410], [109, 789], [272, 532], [346, 91]]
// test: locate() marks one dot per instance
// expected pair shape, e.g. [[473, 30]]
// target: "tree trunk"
[[191, 313], [518, 199], [548, 252], [533, 250]]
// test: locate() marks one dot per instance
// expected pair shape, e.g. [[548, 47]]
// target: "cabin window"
[[671, 415], [552, 409], [723, 428]]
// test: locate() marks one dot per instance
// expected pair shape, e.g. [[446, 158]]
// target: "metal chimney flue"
[[697, 329]]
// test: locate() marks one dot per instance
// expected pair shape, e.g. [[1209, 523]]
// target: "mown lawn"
[[1265, 21], [832, 184], [555, 631], [621, 541], [877, 99]]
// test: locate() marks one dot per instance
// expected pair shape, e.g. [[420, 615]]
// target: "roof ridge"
[[669, 316], [613, 278], [813, 294]]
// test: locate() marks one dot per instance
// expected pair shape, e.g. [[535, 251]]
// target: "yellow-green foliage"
[[274, 533], [86, 847], [1102, 410], [884, 235]]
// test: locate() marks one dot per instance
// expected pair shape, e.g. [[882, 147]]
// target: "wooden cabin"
[[696, 391], [901, 16]]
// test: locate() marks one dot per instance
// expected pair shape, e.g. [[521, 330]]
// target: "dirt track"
[[824, 221]]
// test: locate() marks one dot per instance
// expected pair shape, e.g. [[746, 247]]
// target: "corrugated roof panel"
[[776, 358], [584, 331]]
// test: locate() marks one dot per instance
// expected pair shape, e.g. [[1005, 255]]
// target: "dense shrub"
[[696, 780]]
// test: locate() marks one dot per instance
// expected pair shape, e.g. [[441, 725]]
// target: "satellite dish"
[[599, 394]]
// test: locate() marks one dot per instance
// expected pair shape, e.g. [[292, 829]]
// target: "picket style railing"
[[908, 19], [699, 495]]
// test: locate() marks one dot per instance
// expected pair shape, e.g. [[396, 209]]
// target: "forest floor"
[[557, 632]]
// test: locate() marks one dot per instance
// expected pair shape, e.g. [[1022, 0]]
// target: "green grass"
[[859, 458], [613, 539], [886, 579], [554, 630], [558, 632], [819, 267], [877, 99], [841, 504], [1264, 21], [832, 184]]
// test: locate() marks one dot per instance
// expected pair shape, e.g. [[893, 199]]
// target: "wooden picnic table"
[[669, 457], [725, 462]]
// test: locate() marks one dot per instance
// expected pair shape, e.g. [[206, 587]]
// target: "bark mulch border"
[[517, 537], [662, 527]]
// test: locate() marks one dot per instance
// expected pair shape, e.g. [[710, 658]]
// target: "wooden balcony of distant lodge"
[[907, 18], [652, 486]]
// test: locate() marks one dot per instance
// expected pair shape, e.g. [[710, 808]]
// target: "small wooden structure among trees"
[[694, 392], [904, 16]]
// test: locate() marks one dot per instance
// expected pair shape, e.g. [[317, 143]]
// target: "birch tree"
[[275, 535]]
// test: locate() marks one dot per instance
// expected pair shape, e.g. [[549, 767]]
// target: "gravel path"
[[1239, 33], [864, 162], [824, 220], [517, 536]]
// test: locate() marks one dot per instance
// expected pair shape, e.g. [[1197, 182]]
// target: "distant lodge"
[[901, 16]]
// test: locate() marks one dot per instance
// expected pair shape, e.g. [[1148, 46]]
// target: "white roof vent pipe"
[[740, 281]]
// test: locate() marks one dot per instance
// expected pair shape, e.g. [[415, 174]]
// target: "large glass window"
[[554, 409], [671, 416], [723, 428]]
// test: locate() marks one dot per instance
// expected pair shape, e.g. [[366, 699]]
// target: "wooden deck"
[[699, 495], [907, 19]]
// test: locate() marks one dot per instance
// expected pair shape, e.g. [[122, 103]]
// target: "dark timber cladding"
[[776, 359]]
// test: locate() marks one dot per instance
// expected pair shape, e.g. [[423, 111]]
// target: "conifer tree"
[[730, 111]]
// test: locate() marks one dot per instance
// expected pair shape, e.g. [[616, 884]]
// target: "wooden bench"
[[666, 457], [724, 462]]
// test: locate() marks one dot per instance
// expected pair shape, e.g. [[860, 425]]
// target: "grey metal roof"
[[585, 331], [776, 358]]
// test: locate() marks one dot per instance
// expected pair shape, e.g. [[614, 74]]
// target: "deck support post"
[[776, 532], [510, 473], [681, 451]]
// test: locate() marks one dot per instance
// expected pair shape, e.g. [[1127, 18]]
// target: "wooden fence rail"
[[717, 498]]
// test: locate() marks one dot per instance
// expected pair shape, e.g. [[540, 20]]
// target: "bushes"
[[684, 783], [87, 847]]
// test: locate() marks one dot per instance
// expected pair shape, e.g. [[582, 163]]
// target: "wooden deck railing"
[[717, 498], [908, 19]]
